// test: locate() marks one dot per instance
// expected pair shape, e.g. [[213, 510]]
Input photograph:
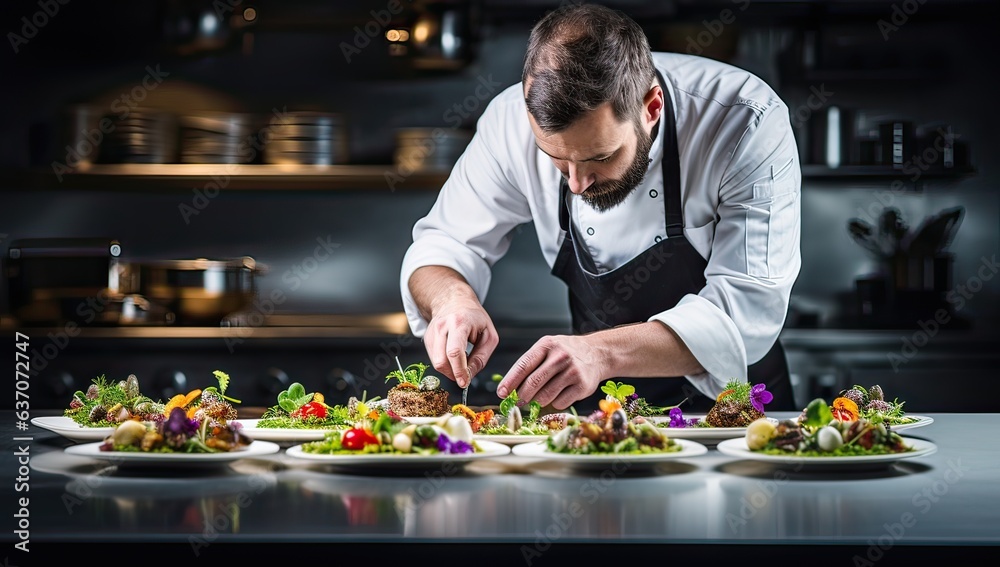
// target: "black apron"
[[653, 282]]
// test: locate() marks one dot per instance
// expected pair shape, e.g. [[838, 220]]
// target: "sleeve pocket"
[[770, 228]]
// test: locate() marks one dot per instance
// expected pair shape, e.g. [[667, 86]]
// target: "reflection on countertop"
[[712, 498]]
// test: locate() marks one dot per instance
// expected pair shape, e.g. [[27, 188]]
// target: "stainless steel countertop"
[[949, 498]]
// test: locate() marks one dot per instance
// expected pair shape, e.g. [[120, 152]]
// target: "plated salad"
[[450, 434], [737, 406], [198, 422], [630, 401], [609, 430], [108, 403], [298, 409], [870, 404], [821, 432], [515, 417]]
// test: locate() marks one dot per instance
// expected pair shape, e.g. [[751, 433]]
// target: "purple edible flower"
[[631, 398], [177, 428], [760, 396], [446, 445], [443, 443], [677, 418]]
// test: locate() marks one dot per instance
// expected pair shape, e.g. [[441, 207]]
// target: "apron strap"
[[671, 167]]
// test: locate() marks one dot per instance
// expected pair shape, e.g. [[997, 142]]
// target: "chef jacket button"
[[590, 231], [653, 193], [658, 238]]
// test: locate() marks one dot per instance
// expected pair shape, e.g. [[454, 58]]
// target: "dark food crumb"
[[407, 402], [729, 413]]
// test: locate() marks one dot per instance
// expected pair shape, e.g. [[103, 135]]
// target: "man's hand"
[[455, 319], [557, 370], [449, 334], [560, 370]]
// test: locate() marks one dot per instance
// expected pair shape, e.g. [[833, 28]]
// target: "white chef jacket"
[[740, 185]]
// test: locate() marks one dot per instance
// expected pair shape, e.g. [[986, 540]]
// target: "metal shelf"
[[226, 177], [856, 172]]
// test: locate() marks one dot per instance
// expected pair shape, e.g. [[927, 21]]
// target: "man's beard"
[[606, 195]]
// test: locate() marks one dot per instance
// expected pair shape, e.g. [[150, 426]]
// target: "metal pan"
[[198, 291]]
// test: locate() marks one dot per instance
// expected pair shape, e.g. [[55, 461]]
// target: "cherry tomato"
[[312, 409], [356, 439]]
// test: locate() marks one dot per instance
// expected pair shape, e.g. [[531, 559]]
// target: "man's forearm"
[[433, 286], [649, 349]]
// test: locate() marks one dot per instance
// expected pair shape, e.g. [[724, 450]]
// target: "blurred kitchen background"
[[198, 185]]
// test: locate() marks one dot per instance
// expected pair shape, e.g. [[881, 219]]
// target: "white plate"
[[401, 461], [924, 420], [540, 450], [72, 430], [738, 448], [283, 434], [126, 458], [510, 439], [701, 433]]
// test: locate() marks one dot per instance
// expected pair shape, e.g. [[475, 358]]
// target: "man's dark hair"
[[582, 56]]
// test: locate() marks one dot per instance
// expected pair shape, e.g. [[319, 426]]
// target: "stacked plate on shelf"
[[430, 149], [215, 137], [144, 135], [307, 138]]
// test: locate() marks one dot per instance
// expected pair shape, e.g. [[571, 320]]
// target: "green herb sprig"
[[619, 391], [294, 397], [412, 374], [510, 402], [223, 379]]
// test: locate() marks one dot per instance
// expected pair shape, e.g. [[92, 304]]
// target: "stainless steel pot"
[[198, 291]]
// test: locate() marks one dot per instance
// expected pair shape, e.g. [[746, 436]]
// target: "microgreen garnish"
[[618, 391], [818, 414], [511, 401], [294, 397], [223, 379], [412, 374]]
